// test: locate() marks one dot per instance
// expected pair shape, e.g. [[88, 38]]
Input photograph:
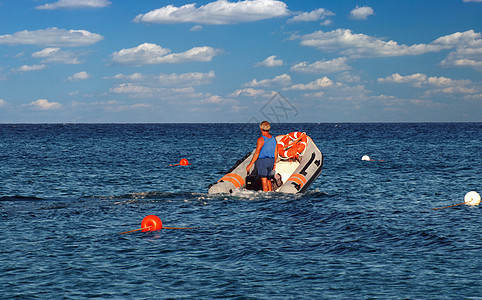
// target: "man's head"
[[265, 126]]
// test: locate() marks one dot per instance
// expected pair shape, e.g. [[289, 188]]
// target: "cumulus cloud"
[[250, 92], [270, 61], [130, 77], [314, 85], [173, 79], [281, 80], [139, 85], [466, 46], [52, 37], [44, 104], [420, 80], [56, 55], [468, 50], [2, 102], [27, 68], [322, 66], [361, 13], [136, 90], [212, 99], [72, 4], [433, 83], [190, 79], [148, 54], [79, 76], [217, 12], [360, 45], [316, 15]]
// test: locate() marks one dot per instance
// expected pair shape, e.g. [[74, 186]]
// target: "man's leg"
[[270, 185], [264, 183]]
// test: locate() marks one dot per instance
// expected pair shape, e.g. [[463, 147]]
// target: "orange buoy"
[[183, 162], [151, 223]]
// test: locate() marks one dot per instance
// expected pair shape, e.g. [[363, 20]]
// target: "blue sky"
[[226, 61]]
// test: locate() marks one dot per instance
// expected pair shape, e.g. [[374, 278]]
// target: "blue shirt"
[[269, 147]]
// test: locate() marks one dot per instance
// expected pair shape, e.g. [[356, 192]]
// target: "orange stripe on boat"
[[235, 179], [232, 180], [298, 178]]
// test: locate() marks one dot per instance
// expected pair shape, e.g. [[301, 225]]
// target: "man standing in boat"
[[265, 156]]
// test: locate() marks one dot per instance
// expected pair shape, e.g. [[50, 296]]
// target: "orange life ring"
[[292, 145]]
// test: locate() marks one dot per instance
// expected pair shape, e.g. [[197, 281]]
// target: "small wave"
[[18, 198], [151, 196]]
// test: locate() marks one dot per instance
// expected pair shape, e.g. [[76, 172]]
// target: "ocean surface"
[[364, 229]]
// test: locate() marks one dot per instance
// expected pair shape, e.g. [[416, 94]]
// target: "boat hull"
[[307, 169]]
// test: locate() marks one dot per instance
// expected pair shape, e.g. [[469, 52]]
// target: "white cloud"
[[75, 4], [250, 92], [26, 68], [56, 55], [361, 13], [434, 84], [467, 46], [214, 99], [316, 15], [147, 54], [322, 66], [162, 86], [2, 102], [173, 79], [196, 28], [44, 104], [53, 37], [110, 105], [131, 77], [456, 39], [314, 85], [217, 12], [420, 80], [270, 61], [281, 80], [397, 78], [360, 45], [472, 0], [190, 79], [136, 90], [326, 22], [468, 50], [79, 76]]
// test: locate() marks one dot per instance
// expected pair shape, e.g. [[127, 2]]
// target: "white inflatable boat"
[[299, 164]]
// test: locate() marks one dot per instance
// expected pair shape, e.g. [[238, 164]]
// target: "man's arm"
[[275, 155], [259, 145]]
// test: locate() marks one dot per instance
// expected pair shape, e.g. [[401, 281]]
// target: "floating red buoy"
[[151, 223], [182, 162]]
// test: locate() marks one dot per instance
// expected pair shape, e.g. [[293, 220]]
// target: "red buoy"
[[151, 223], [184, 162]]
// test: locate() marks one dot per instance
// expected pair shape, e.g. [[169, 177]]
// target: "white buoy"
[[472, 198], [365, 158]]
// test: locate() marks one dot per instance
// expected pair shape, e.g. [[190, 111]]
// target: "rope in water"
[[448, 206]]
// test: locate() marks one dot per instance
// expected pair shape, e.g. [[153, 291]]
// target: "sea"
[[363, 230]]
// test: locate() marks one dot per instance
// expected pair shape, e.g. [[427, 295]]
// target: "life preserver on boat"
[[292, 145]]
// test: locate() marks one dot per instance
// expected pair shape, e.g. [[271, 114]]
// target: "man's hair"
[[265, 126]]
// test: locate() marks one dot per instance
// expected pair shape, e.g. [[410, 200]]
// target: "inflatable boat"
[[299, 164]]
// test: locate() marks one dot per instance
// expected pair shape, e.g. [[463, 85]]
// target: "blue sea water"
[[364, 230]]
